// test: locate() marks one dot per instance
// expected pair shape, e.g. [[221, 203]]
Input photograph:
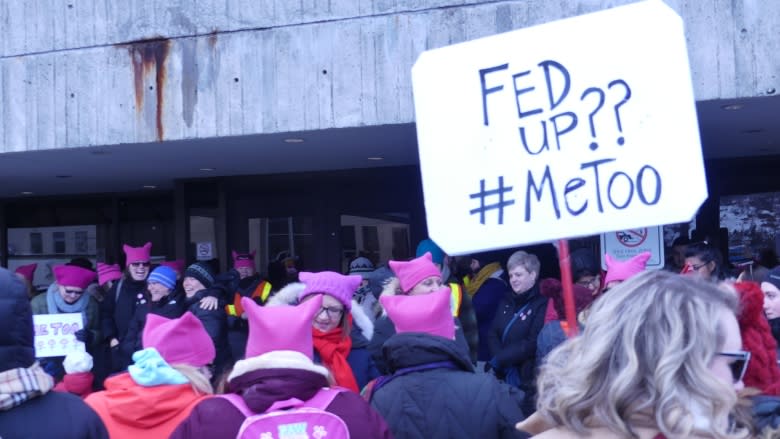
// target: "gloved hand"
[[84, 336]]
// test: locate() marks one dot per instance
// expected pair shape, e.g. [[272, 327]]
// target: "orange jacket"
[[132, 411]]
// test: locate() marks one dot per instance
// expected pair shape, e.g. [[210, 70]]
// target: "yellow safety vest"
[[263, 291], [456, 298]]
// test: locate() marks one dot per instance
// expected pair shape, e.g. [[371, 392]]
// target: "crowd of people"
[[474, 346]]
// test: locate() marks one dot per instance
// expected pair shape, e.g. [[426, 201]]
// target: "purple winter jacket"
[[217, 417]]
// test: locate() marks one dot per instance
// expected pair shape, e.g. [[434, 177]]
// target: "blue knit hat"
[[428, 246], [164, 276]]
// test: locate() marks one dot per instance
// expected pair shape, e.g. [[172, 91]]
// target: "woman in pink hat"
[[341, 329], [65, 296], [279, 370], [420, 276], [168, 378]]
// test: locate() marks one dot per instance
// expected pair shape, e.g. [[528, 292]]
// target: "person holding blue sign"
[[67, 296]]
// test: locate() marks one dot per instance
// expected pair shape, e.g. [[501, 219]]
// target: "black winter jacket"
[[443, 402], [518, 350], [215, 322], [55, 414], [170, 307], [118, 307]]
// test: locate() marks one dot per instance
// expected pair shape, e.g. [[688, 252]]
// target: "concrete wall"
[[101, 72]]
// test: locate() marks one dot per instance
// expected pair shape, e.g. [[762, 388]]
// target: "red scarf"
[[333, 350]]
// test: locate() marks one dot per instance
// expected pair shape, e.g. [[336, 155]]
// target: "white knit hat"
[[77, 362]]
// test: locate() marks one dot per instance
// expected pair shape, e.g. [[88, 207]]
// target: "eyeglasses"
[[589, 283], [76, 292], [140, 264], [332, 313], [698, 267], [739, 365]]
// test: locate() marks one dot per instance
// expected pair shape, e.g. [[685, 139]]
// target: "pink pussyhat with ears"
[[415, 271], [243, 259], [622, 270], [341, 287], [177, 265], [28, 271], [179, 341], [73, 276], [280, 328], [427, 313], [137, 254], [108, 272]]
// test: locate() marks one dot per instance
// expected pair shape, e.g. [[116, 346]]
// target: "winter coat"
[[384, 329], [170, 307], [549, 338], [485, 302], [79, 384], [468, 321], [215, 323], [39, 305], [55, 414], [359, 358], [119, 307], [131, 411], [443, 402], [518, 349], [261, 381]]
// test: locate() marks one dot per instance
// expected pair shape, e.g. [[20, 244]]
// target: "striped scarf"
[[20, 385]]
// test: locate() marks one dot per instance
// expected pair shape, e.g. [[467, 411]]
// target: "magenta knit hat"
[[428, 313], [137, 254], [415, 271], [73, 276], [177, 265], [179, 341], [341, 287], [28, 271], [108, 272], [280, 328], [243, 259], [622, 270]]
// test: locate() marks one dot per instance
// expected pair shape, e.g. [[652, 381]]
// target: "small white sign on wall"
[[625, 244]]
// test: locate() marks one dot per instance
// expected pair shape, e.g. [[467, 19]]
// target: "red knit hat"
[[108, 272], [28, 271], [428, 313], [280, 328], [762, 372], [179, 341], [137, 254]]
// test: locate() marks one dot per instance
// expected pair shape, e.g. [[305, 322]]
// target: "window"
[[36, 243], [59, 242], [82, 245]]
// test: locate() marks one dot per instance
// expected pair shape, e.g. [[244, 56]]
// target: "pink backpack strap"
[[238, 402], [324, 397]]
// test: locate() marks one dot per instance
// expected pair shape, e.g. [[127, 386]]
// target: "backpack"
[[292, 418]]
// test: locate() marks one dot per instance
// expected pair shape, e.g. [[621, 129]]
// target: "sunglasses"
[[739, 365], [140, 264]]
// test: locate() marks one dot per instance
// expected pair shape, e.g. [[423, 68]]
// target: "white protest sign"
[[572, 128], [625, 244], [54, 334]]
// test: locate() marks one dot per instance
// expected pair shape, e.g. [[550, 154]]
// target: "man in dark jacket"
[[433, 391], [28, 407]]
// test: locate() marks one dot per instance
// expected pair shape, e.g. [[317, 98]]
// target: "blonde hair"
[[200, 383], [642, 361]]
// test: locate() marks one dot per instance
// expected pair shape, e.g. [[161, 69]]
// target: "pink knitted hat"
[[137, 254], [179, 341], [622, 270], [177, 265], [73, 276], [280, 328], [428, 313], [243, 259], [28, 271], [415, 271], [337, 285], [108, 272]]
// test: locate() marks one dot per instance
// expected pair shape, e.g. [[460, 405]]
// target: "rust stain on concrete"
[[145, 56]]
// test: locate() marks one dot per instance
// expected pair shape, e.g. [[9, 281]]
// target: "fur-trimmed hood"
[[392, 287], [289, 296]]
